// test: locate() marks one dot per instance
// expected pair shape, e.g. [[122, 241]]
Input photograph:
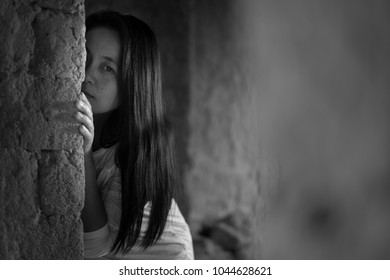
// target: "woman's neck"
[[99, 121]]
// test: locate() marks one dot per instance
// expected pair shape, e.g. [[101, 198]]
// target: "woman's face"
[[101, 69]]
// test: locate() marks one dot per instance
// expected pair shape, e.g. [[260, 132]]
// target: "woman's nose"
[[89, 75]]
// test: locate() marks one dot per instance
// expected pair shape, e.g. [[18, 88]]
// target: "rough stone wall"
[[41, 169]]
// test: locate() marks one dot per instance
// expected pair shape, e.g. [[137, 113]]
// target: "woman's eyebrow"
[[104, 57], [110, 59]]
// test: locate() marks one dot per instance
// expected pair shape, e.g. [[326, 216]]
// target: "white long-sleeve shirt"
[[175, 242]]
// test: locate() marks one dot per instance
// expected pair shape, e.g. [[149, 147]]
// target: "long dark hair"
[[145, 151]]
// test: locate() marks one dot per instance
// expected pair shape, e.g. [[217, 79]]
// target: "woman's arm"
[[99, 243], [93, 214]]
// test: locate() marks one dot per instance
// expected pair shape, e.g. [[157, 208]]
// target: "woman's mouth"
[[87, 94]]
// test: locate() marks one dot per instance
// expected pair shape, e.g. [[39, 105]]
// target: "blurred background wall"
[[282, 123], [323, 95]]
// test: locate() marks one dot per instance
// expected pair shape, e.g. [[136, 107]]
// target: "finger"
[[85, 100], [88, 136], [84, 109], [85, 120]]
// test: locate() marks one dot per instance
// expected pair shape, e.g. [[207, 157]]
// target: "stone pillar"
[[41, 173]]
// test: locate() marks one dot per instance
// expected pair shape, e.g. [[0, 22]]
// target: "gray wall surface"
[[41, 169], [322, 77]]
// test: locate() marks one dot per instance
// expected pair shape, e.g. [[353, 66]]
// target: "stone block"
[[31, 226], [42, 171]]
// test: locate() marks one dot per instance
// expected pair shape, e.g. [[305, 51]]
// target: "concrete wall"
[[41, 173]]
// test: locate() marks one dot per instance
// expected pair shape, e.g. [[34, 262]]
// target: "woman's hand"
[[93, 214], [85, 117]]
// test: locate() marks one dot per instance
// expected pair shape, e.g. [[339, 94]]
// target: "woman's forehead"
[[103, 42]]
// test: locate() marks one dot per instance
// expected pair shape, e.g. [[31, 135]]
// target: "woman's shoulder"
[[104, 157], [176, 235], [174, 214], [106, 169]]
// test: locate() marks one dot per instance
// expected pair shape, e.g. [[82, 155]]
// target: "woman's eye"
[[109, 69]]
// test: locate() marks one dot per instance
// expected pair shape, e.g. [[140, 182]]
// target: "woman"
[[129, 210]]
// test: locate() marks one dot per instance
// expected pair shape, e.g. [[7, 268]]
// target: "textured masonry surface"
[[41, 169]]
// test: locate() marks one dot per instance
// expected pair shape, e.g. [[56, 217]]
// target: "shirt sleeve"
[[99, 243], [96, 243]]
